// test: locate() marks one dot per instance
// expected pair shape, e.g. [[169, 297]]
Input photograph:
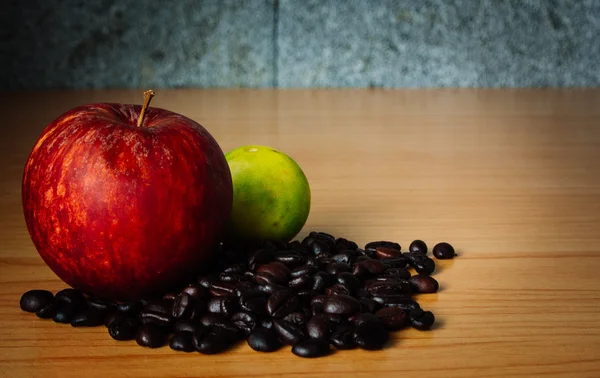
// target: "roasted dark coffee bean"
[[270, 288], [335, 267], [298, 247], [64, 313], [243, 286], [151, 336], [309, 239], [389, 287], [298, 318], [400, 262], [186, 325], [387, 253], [123, 328], [182, 306], [341, 304], [365, 254], [245, 321], [222, 289], [349, 281], [317, 302], [267, 323], [318, 327], [304, 271], [259, 257], [418, 246], [357, 319], [443, 251], [289, 333], [113, 317], [303, 282], [254, 301], [382, 243], [170, 297], [250, 275], [343, 338], [195, 291], [156, 313], [369, 305], [208, 320], [368, 267], [225, 306], [319, 246], [311, 348], [206, 281], [400, 301], [337, 289], [281, 303], [345, 244], [421, 320], [88, 318], [322, 280], [130, 307], [423, 284], [425, 266], [306, 297], [199, 307], [393, 318], [263, 340], [182, 341], [343, 257], [310, 261], [35, 300], [47, 311], [100, 304], [371, 335], [231, 277], [211, 342], [235, 269], [271, 274], [291, 259], [396, 273], [71, 297]]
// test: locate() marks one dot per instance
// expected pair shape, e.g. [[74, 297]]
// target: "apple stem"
[[147, 98]]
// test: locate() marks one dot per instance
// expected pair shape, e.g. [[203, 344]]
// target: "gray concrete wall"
[[296, 43]]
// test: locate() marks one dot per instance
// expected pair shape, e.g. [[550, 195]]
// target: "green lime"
[[271, 195]]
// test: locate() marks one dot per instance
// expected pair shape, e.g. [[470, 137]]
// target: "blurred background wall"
[[298, 43]]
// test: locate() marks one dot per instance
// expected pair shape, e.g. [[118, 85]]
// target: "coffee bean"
[[341, 304], [349, 281], [337, 289], [387, 253], [263, 340], [288, 333], [421, 320], [259, 257], [210, 342], [318, 247], [267, 323], [291, 259], [393, 318], [368, 267], [88, 318], [35, 300], [399, 262], [272, 273], [298, 247], [130, 307], [206, 281], [235, 269], [311, 348], [345, 244], [100, 304], [302, 282], [304, 271], [298, 318], [231, 277], [222, 289], [255, 302], [47, 311], [424, 284], [425, 266], [169, 297], [182, 306], [270, 288], [71, 297], [382, 243], [225, 306], [343, 337], [208, 320], [123, 328], [151, 336], [157, 313], [64, 313], [443, 251], [360, 318], [369, 305], [388, 287], [186, 325], [418, 246], [322, 280], [319, 327], [343, 257], [396, 273], [371, 335], [335, 267], [245, 321], [182, 341], [281, 303]]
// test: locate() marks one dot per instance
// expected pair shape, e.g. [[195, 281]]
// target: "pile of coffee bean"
[[312, 294]]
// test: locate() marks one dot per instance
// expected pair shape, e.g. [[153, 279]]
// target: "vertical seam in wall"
[[275, 81]]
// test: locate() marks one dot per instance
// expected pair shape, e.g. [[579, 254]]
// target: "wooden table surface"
[[510, 177]]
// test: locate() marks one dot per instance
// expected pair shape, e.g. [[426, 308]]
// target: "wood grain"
[[510, 177]]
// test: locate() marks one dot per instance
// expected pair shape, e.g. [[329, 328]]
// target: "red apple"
[[123, 201]]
